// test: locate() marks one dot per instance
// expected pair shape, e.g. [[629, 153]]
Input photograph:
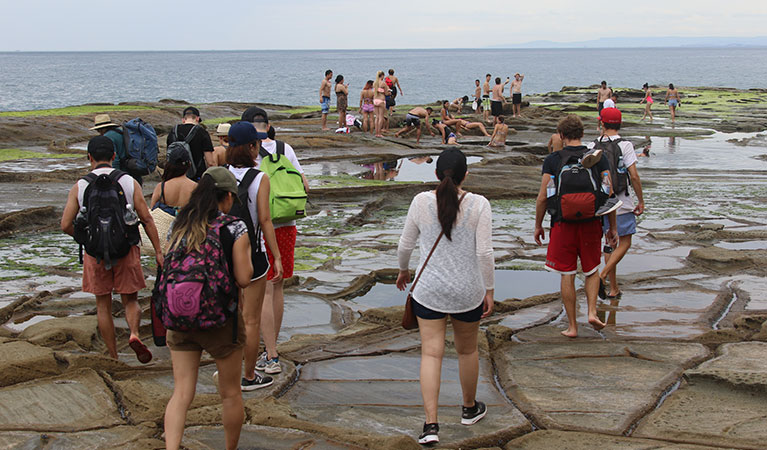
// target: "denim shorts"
[[673, 102], [627, 224], [429, 314], [325, 104]]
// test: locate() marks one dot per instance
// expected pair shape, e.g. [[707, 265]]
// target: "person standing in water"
[[325, 98], [673, 99], [458, 281]]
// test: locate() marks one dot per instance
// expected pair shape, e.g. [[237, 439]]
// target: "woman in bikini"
[[673, 99], [498, 139], [366, 107], [380, 91], [451, 121], [649, 101], [342, 100]]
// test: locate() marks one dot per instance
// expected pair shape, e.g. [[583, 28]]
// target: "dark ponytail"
[[451, 170]]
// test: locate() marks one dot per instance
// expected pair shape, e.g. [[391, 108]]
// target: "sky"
[[89, 25]]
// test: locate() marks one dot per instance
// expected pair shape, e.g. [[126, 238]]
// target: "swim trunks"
[[496, 108], [125, 277], [286, 243], [626, 223], [390, 101], [569, 241], [325, 104], [486, 102], [516, 98], [412, 120], [600, 106]]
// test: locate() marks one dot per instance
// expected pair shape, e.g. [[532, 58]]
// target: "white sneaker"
[[273, 366]]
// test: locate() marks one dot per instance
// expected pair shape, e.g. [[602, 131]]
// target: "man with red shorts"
[[125, 276], [569, 241], [271, 315]]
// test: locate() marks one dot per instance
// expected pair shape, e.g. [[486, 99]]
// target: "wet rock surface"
[[679, 365]]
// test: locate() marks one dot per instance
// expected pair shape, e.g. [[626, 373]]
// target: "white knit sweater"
[[460, 270]]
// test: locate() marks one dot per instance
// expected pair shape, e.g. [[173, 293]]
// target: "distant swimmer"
[[498, 139], [674, 99], [325, 98], [647, 99], [555, 143], [496, 104], [486, 97], [413, 121], [477, 97], [516, 94]]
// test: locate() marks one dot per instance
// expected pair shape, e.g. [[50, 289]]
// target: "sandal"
[[142, 353]]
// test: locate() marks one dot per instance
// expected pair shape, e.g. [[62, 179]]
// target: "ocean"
[[52, 80]]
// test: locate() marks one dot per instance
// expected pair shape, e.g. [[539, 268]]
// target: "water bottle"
[[621, 167], [82, 216], [606, 183], [551, 188], [130, 216]]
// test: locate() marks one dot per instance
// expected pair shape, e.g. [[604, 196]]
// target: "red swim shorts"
[[286, 242], [125, 277], [570, 241]]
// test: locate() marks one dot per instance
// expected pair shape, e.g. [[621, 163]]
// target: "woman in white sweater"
[[458, 280]]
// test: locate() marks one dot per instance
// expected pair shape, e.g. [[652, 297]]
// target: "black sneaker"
[[430, 434], [470, 416], [610, 205], [256, 383]]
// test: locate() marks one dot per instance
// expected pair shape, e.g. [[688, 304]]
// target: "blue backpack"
[[140, 148]]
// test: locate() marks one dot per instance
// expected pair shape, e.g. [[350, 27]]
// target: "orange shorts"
[[286, 242], [125, 277]]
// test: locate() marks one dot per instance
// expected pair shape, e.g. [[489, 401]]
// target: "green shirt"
[[117, 138]]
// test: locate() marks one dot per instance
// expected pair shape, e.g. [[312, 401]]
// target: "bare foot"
[[571, 333], [326, 129], [596, 323]]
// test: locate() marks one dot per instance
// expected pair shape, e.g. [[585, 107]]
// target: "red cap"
[[610, 115]]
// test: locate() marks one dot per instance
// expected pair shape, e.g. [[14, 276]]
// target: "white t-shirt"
[[126, 181], [271, 147], [239, 173], [609, 103], [629, 159]]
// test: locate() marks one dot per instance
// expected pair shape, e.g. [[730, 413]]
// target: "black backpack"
[[105, 227], [578, 190], [618, 173], [184, 143], [241, 210]]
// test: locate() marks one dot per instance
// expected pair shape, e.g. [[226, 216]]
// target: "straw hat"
[[223, 129], [103, 121], [163, 222]]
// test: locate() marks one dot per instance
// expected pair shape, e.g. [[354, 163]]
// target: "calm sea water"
[[47, 80]]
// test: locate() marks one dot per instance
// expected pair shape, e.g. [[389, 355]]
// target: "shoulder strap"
[[162, 192], [174, 133], [280, 147], [115, 175], [190, 135], [439, 238]]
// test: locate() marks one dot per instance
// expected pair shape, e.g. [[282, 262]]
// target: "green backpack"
[[287, 196]]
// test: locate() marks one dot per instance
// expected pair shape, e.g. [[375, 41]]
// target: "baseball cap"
[[255, 114], [191, 110], [100, 143], [223, 179], [610, 115], [242, 133]]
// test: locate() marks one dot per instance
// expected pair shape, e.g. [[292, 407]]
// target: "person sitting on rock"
[[498, 139], [413, 121], [457, 104]]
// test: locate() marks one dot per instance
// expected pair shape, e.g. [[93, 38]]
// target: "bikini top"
[[172, 210]]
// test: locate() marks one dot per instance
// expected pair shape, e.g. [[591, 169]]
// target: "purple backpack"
[[196, 289]]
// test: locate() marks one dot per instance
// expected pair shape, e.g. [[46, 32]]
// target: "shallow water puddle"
[[535, 315], [709, 152], [418, 168], [306, 314], [751, 245]]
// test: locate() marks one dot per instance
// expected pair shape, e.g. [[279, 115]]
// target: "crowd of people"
[[211, 218]]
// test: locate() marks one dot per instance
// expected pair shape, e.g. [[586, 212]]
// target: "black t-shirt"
[[552, 162], [199, 145]]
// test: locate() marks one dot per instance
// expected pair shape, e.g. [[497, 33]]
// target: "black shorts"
[[412, 120], [496, 108], [260, 263], [516, 98], [429, 314], [600, 106], [390, 101]]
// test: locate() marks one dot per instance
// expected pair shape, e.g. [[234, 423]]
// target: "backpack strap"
[[190, 135], [242, 194], [162, 192], [222, 222], [280, 147], [174, 133]]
